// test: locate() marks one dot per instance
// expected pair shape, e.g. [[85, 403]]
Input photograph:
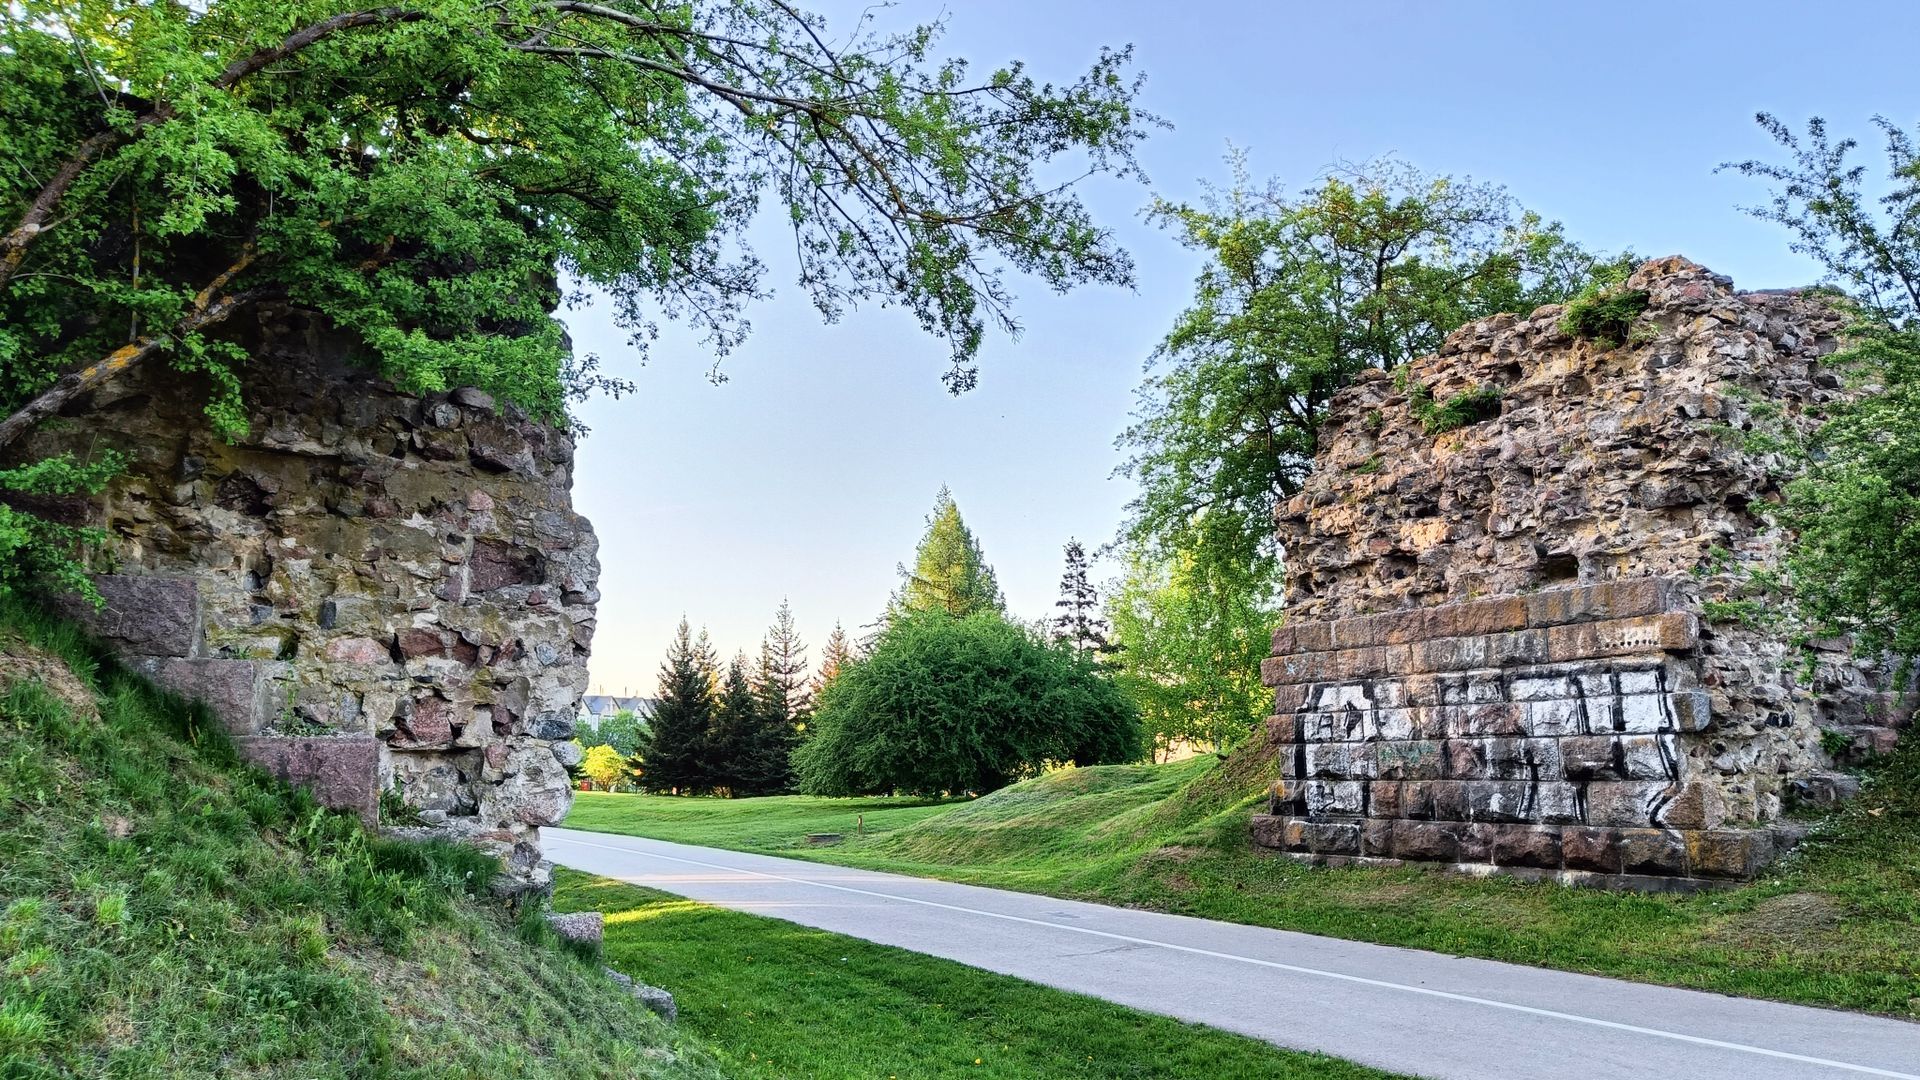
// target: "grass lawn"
[[777, 1000], [1837, 923]]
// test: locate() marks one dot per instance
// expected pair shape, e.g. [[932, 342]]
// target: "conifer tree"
[[949, 571], [1080, 625], [733, 749], [835, 655], [675, 748]]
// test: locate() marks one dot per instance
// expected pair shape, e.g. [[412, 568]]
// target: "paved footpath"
[[1421, 1013]]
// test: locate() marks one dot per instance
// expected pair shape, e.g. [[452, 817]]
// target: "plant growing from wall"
[[1461, 410], [1603, 313]]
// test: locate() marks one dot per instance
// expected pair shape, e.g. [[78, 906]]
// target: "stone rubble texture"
[[372, 590], [1501, 648]]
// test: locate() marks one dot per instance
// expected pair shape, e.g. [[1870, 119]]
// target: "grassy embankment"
[[166, 911], [1837, 923], [777, 1000]]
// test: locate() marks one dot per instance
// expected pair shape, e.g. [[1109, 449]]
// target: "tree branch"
[[208, 308]]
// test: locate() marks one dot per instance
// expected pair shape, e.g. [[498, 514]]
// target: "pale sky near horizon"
[[808, 474]]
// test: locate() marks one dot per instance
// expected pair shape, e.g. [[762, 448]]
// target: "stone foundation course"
[[1508, 647]]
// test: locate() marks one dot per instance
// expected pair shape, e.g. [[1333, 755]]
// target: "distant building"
[[597, 707]]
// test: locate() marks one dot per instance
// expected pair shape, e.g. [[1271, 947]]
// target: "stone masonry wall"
[[371, 590], [1511, 645]]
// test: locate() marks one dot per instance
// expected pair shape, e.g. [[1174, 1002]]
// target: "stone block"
[[1536, 846], [143, 615], [342, 773], [1647, 757], [1376, 838], [1479, 617], [1302, 636], [1418, 759], [1426, 841], [1340, 761], [1334, 797], [1500, 801], [1730, 853], [1591, 849], [1602, 600], [1652, 852], [358, 651], [1476, 841], [582, 927], [1590, 757], [1625, 804], [1269, 830], [1697, 805], [1283, 729], [1385, 799], [1674, 631], [232, 690], [1502, 719], [1555, 719], [1332, 838]]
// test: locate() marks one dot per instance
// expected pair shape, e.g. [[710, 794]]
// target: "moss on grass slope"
[[166, 911]]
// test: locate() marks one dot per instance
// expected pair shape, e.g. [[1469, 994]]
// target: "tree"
[[835, 655], [1372, 267], [949, 574], [1189, 647], [732, 740], [783, 701], [1855, 507], [946, 704], [1080, 625], [603, 765], [425, 175], [623, 731], [675, 750]]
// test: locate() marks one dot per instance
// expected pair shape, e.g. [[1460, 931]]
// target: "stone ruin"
[[374, 592], [1533, 645]]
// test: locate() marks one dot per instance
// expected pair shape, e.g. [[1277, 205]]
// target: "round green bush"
[[951, 705]]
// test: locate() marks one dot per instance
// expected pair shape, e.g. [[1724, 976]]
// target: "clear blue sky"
[[808, 474]]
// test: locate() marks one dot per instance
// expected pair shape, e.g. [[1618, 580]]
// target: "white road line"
[[1343, 977]]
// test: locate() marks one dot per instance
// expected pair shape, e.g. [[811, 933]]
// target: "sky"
[[807, 475]]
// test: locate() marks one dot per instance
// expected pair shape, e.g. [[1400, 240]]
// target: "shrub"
[[1604, 314], [1458, 411], [946, 704]]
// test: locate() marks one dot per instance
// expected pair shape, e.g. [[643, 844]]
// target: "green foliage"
[[675, 751], [425, 175], [950, 573], [1855, 567], [1080, 625], [603, 765], [39, 553], [945, 704], [168, 911], [1189, 640], [1300, 292], [623, 731], [1603, 313], [1462, 409]]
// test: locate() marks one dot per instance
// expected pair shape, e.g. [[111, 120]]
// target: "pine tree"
[[1080, 625], [784, 700], [674, 751], [733, 749], [835, 655], [949, 571]]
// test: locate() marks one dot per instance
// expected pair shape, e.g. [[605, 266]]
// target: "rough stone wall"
[[371, 590], [1509, 645]]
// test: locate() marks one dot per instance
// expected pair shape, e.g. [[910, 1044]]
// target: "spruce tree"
[[733, 750], [784, 700], [949, 571], [675, 748], [835, 655], [1080, 625]]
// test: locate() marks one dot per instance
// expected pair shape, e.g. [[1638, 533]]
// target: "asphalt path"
[[1420, 1013]]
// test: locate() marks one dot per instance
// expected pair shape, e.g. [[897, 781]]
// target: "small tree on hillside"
[[674, 751], [1080, 625], [949, 573]]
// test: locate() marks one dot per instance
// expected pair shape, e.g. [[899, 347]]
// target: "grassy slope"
[[1838, 923], [167, 912], [779, 1000]]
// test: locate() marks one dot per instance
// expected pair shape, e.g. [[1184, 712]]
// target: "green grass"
[[772, 823], [779, 1000], [166, 911], [1837, 923]]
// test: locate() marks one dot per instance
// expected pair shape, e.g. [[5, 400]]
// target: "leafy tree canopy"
[[949, 573], [603, 765], [946, 704], [1371, 267], [430, 174], [1855, 568]]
